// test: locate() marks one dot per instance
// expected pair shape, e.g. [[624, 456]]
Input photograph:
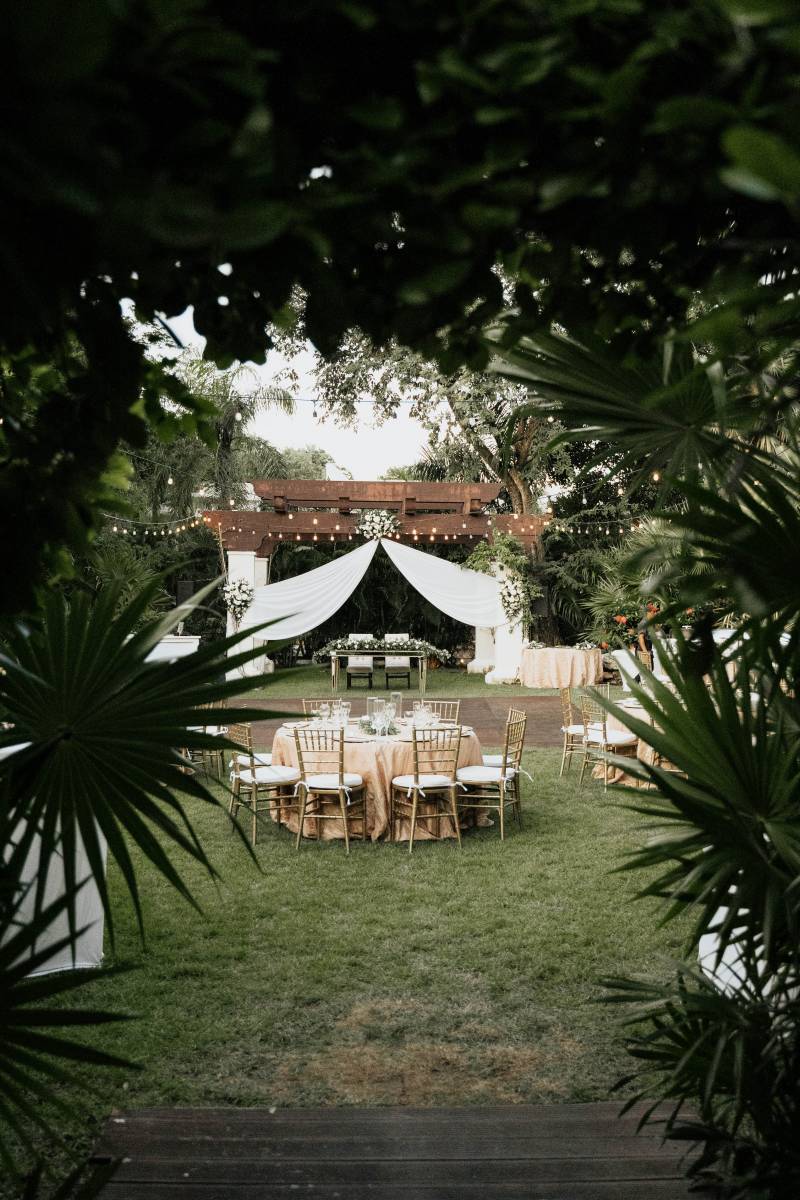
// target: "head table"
[[377, 760]]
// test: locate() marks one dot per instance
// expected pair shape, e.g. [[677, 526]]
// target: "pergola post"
[[484, 652], [243, 564]]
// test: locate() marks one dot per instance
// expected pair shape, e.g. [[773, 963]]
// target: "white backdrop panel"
[[466, 595], [306, 601]]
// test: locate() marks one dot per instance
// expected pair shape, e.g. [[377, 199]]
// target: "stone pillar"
[[242, 565], [484, 652]]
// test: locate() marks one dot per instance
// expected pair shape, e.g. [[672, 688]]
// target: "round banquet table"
[[377, 761], [644, 753], [560, 667]]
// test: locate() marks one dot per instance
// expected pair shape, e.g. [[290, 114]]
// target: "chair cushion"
[[575, 729], [398, 660], [483, 774], [271, 775], [494, 760], [425, 781], [614, 737], [331, 780]]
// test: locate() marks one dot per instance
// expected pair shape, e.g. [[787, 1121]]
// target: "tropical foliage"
[[725, 814]]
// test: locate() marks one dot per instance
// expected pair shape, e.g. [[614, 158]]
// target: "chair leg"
[[301, 804], [233, 803], [502, 807], [563, 757], [343, 810], [583, 767], [413, 822], [454, 801], [254, 794]]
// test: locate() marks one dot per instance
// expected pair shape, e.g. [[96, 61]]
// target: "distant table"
[[339, 659], [560, 667], [378, 760]]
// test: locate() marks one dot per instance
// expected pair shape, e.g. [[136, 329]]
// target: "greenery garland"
[[518, 590]]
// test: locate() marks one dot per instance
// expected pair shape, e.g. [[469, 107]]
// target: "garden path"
[[487, 715]]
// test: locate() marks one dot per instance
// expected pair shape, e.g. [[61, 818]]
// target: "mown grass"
[[441, 978], [314, 680]]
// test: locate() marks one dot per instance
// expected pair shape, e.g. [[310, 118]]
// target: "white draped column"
[[261, 573], [508, 642], [242, 565], [484, 651]]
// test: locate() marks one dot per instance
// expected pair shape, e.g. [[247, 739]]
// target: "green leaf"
[[764, 164]]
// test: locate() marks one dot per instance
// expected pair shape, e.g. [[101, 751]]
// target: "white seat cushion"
[[484, 774], [577, 730], [331, 781], [271, 775], [614, 737], [494, 760], [398, 660], [425, 781]]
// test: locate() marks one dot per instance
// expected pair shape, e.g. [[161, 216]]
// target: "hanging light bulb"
[[550, 419], [170, 481], [656, 476], [237, 416], [583, 501]]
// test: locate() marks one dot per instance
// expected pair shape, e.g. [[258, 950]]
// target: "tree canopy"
[[626, 165]]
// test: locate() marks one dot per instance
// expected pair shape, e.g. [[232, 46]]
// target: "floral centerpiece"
[[379, 646], [586, 645], [238, 595], [377, 523]]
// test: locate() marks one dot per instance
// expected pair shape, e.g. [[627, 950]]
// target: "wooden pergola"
[[316, 510]]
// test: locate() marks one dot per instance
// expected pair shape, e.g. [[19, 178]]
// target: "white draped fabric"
[[305, 601], [466, 595]]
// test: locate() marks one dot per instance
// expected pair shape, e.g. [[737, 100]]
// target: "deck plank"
[[519, 1152]]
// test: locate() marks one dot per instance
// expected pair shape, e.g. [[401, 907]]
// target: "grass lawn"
[[441, 978], [314, 680]]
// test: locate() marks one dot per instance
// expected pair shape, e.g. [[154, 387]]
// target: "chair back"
[[445, 710], [436, 752], [311, 706], [515, 738], [397, 660], [320, 752], [359, 662], [393, 638], [361, 637], [566, 707], [592, 713], [242, 758]]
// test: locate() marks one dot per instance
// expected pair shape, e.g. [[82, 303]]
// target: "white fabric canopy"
[[305, 601], [466, 595]]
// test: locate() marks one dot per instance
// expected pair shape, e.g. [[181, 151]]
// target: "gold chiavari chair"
[[433, 781], [514, 714], [496, 787], [324, 781], [253, 782], [445, 710], [599, 741], [209, 758], [311, 706], [571, 728]]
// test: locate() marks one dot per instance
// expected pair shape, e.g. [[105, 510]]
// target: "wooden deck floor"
[[521, 1152]]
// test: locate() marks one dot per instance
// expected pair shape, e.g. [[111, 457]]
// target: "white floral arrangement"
[[377, 523], [586, 645], [238, 596], [534, 645], [379, 646], [512, 597]]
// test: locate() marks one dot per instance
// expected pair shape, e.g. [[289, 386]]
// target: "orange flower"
[[604, 645]]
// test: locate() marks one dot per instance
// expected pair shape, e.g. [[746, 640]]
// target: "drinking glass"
[[371, 701], [380, 716], [397, 701], [390, 711], [417, 712], [345, 711], [324, 711]]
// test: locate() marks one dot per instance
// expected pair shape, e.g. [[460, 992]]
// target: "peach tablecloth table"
[[560, 667], [377, 761], [644, 753]]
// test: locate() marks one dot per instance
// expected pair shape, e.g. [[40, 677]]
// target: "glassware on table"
[[397, 700], [390, 711], [379, 719], [416, 715], [345, 710], [371, 702], [324, 711]]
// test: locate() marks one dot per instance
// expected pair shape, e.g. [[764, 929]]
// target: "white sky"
[[366, 452]]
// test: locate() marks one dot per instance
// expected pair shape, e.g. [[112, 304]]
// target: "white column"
[[242, 565], [262, 571], [508, 642], [484, 652]]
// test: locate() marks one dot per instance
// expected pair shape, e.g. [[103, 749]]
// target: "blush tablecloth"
[[377, 761], [560, 667]]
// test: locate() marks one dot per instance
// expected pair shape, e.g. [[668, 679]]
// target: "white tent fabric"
[[466, 595], [305, 601]]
